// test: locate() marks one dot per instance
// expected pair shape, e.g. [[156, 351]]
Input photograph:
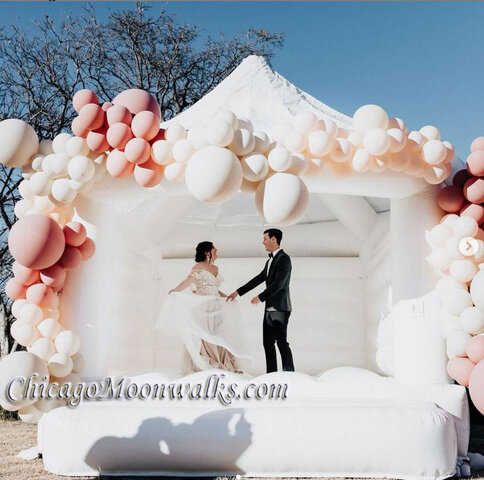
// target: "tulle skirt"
[[210, 329]]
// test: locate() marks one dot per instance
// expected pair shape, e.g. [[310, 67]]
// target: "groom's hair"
[[274, 232]]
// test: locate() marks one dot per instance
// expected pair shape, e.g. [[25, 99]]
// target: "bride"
[[208, 326]]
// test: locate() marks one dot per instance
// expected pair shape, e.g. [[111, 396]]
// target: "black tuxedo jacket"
[[276, 294]]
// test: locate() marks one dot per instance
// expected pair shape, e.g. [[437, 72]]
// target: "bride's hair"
[[201, 251]]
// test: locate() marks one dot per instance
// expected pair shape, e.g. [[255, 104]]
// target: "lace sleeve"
[[195, 273]]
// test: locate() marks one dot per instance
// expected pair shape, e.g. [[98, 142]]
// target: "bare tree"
[[41, 70]]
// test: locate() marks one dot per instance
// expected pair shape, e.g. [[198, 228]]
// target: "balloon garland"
[[216, 160]]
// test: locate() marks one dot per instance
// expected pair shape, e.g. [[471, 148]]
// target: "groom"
[[277, 275]]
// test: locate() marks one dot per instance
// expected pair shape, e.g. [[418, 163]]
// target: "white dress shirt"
[[271, 309]]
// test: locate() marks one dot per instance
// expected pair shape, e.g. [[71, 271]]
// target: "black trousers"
[[277, 333]]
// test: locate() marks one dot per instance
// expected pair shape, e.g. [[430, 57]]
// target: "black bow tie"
[[270, 255]]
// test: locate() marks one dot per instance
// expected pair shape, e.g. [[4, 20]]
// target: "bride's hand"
[[171, 291]]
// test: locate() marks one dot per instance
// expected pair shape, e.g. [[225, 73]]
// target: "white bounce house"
[[370, 397]]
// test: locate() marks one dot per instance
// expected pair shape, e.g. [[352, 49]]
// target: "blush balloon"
[[82, 98], [75, 234], [106, 106], [145, 125], [451, 199], [118, 165], [54, 276], [118, 114], [476, 386], [92, 116], [15, 289], [118, 135], [78, 128], [475, 163], [96, 140], [36, 241], [475, 348], [87, 249], [71, 258], [137, 150], [136, 101], [460, 368], [477, 144], [475, 211], [148, 174], [474, 190], [40, 295], [25, 275]]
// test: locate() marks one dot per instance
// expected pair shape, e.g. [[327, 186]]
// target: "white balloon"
[[415, 142], [328, 126], [255, 167], [219, 133], [305, 122], [369, 117], [175, 172], [361, 160], [457, 301], [462, 270], [43, 348], [196, 137], [439, 259], [44, 205], [22, 207], [279, 159], [243, 142], [213, 174], [25, 333], [49, 328], [19, 143], [62, 191], [452, 247], [40, 184], [17, 306], [398, 162], [46, 147], [342, 150], [437, 174], [59, 163], [356, 139], [439, 235], [76, 146], [457, 342], [37, 161], [449, 152], [397, 123], [245, 123], [59, 143], [282, 199], [449, 219], [376, 141], [446, 284], [320, 143], [262, 142], [67, 342], [465, 226], [183, 150], [174, 132], [229, 117], [477, 288], [434, 152], [52, 311], [30, 414], [24, 365], [398, 140], [162, 152], [60, 365], [31, 314], [430, 132], [472, 320], [81, 168], [299, 164]]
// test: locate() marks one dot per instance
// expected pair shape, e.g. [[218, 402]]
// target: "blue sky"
[[421, 61]]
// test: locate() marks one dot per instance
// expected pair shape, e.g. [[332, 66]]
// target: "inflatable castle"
[[384, 228]]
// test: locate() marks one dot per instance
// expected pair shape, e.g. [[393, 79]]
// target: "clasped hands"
[[255, 301]]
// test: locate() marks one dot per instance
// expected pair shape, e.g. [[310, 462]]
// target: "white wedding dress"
[[208, 325]]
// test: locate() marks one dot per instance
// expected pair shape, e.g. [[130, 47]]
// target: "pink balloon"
[[451, 199], [83, 97], [75, 233], [40, 294], [476, 386], [96, 140], [145, 125], [159, 136], [475, 211], [475, 348], [54, 276], [461, 177], [477, 144], [25, 275], [460, 368], [136, 101], [474, 190], [106, 106], [71, 258], [148, 174], [118, 135], [15, 289], [118, 166], [118, 114], [137, 150], [36, 241], [475, 163], [92, 116], [87, 249], [78, 128]]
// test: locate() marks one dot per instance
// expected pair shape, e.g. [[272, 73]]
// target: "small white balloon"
[[67, 342], [295, 141], [40, 184], [60, 365], [438, 236], [81, 168], [328, 126], [243, 142], [369, 117], [175, 132], [342, 150], [59, 163], [162, 152], [59, 143], [397, 123], [457, 342], [457, 301], [462, 270], [49, 328], [279, 159], [361, 160], [37, 161], [62, 191], [31, 314], [245, 123], [398, 140], [472, 320], [434, 152], [452, 247], [228, 117], [415, 142], [255, 167], [219, 133], [175, 172], [17, 306], [356, 139], [305, 122], [376, 141], [320, 143], [439, 259], [430, 132], [182, 151], [43, 348], [22, 207], [25, 333], [76, 146], [44, 205], [465, 226], [262, 142]]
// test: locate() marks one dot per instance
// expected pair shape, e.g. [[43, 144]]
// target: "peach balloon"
[[475, 163], [477, 144], [460, 368], [476, 386], [78, 128], [474, 190], [15, 289], [475, 348], [36, 241], [475, 211], [106, 106], [75, 233], [118, 166], [118, 114], [118, 135], [87, 249], [54, 276], [148, 174], [25, 275], [40, 294], [137, 150], [145, 125], [451, 199], [96, 140], [136, 100], [71, 258], [82, 98], [92, 116]]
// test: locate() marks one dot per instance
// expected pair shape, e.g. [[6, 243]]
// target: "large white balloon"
[[19, 143], [213, 174], [254, 167], [368, 117], [282, 199], [229, 117], [462, 270], [477, 288], [19, 365]]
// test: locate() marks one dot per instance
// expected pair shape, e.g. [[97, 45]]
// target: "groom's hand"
[[255, 301], [232, 296]]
